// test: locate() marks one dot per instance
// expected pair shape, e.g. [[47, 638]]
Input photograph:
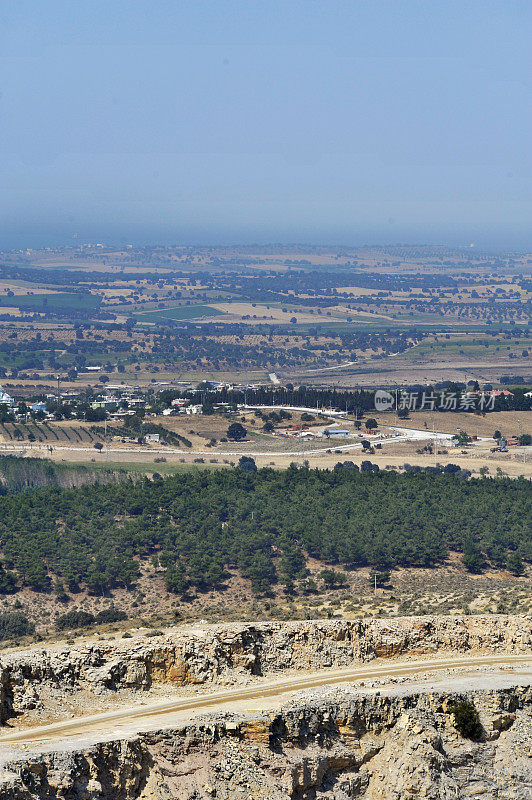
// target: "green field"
[[52, 302], [179, 312], [372, 326], [491, 347]]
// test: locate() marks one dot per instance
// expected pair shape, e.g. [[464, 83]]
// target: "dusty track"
[[403, 435], [164, 713]]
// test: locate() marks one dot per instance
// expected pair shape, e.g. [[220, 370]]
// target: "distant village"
[[132, 410]]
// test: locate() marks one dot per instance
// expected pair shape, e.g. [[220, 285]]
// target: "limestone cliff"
[[214, 652], [332, 745]]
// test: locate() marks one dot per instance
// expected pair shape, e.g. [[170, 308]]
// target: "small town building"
[[6, 399], [192, 410]]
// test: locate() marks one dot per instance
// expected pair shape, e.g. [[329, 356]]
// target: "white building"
[[192, 410], [6, 399]]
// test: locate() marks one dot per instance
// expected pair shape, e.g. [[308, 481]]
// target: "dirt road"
[[402, 435], [166, 713]]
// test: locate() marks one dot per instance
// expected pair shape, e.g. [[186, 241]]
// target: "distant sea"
[[35, 236]]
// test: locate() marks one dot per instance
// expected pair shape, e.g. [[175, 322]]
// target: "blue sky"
[[349, 122]]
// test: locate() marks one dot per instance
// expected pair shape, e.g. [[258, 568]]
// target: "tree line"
[[202, 525]]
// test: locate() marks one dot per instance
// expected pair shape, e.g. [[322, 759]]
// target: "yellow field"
[[21, 290], [264, 314], [11, 311]]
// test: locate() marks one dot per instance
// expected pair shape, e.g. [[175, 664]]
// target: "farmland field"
[[370, 315], [452, 345], [51, 302], [180, 312], [49, 434]]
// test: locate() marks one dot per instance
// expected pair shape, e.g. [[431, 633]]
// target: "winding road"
[[156, 715]]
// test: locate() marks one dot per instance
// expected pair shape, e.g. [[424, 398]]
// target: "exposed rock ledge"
[[198, 655], [334, 745]]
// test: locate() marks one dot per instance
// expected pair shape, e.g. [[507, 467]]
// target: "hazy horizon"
[[209, 236], [206, 123]]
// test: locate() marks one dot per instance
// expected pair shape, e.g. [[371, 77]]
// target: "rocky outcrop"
[[194, 655], [334, 745]]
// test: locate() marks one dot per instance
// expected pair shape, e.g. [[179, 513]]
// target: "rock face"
[[215, 652], [335, 745]]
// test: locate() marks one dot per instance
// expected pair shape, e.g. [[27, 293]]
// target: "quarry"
[[328, 709]]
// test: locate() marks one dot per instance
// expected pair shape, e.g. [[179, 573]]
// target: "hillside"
[[298, 543]]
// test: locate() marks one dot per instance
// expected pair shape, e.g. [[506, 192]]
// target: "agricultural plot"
[[51, 303], [477, 347], [46, 433], [179, 312], [22, 288], [256, 313]]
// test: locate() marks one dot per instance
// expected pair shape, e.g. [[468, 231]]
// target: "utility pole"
[[106, 440]]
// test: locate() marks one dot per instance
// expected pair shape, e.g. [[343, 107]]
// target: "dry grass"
[[262, 313], [510, 423], [448, 589], [20, 289]]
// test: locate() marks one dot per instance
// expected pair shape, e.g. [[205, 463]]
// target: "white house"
[[6, 399], [192, 410]]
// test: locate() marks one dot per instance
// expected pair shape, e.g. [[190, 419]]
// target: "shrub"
[[14, 624], [236, 431], [515, 564], [451, 469], [8, 581], [247, 464], [111, 615], [332, 579], [95, 414], [466, 720], [74, 619], [175, 580]]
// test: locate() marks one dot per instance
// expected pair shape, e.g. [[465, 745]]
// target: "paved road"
[[403, 435], [164, 713]]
